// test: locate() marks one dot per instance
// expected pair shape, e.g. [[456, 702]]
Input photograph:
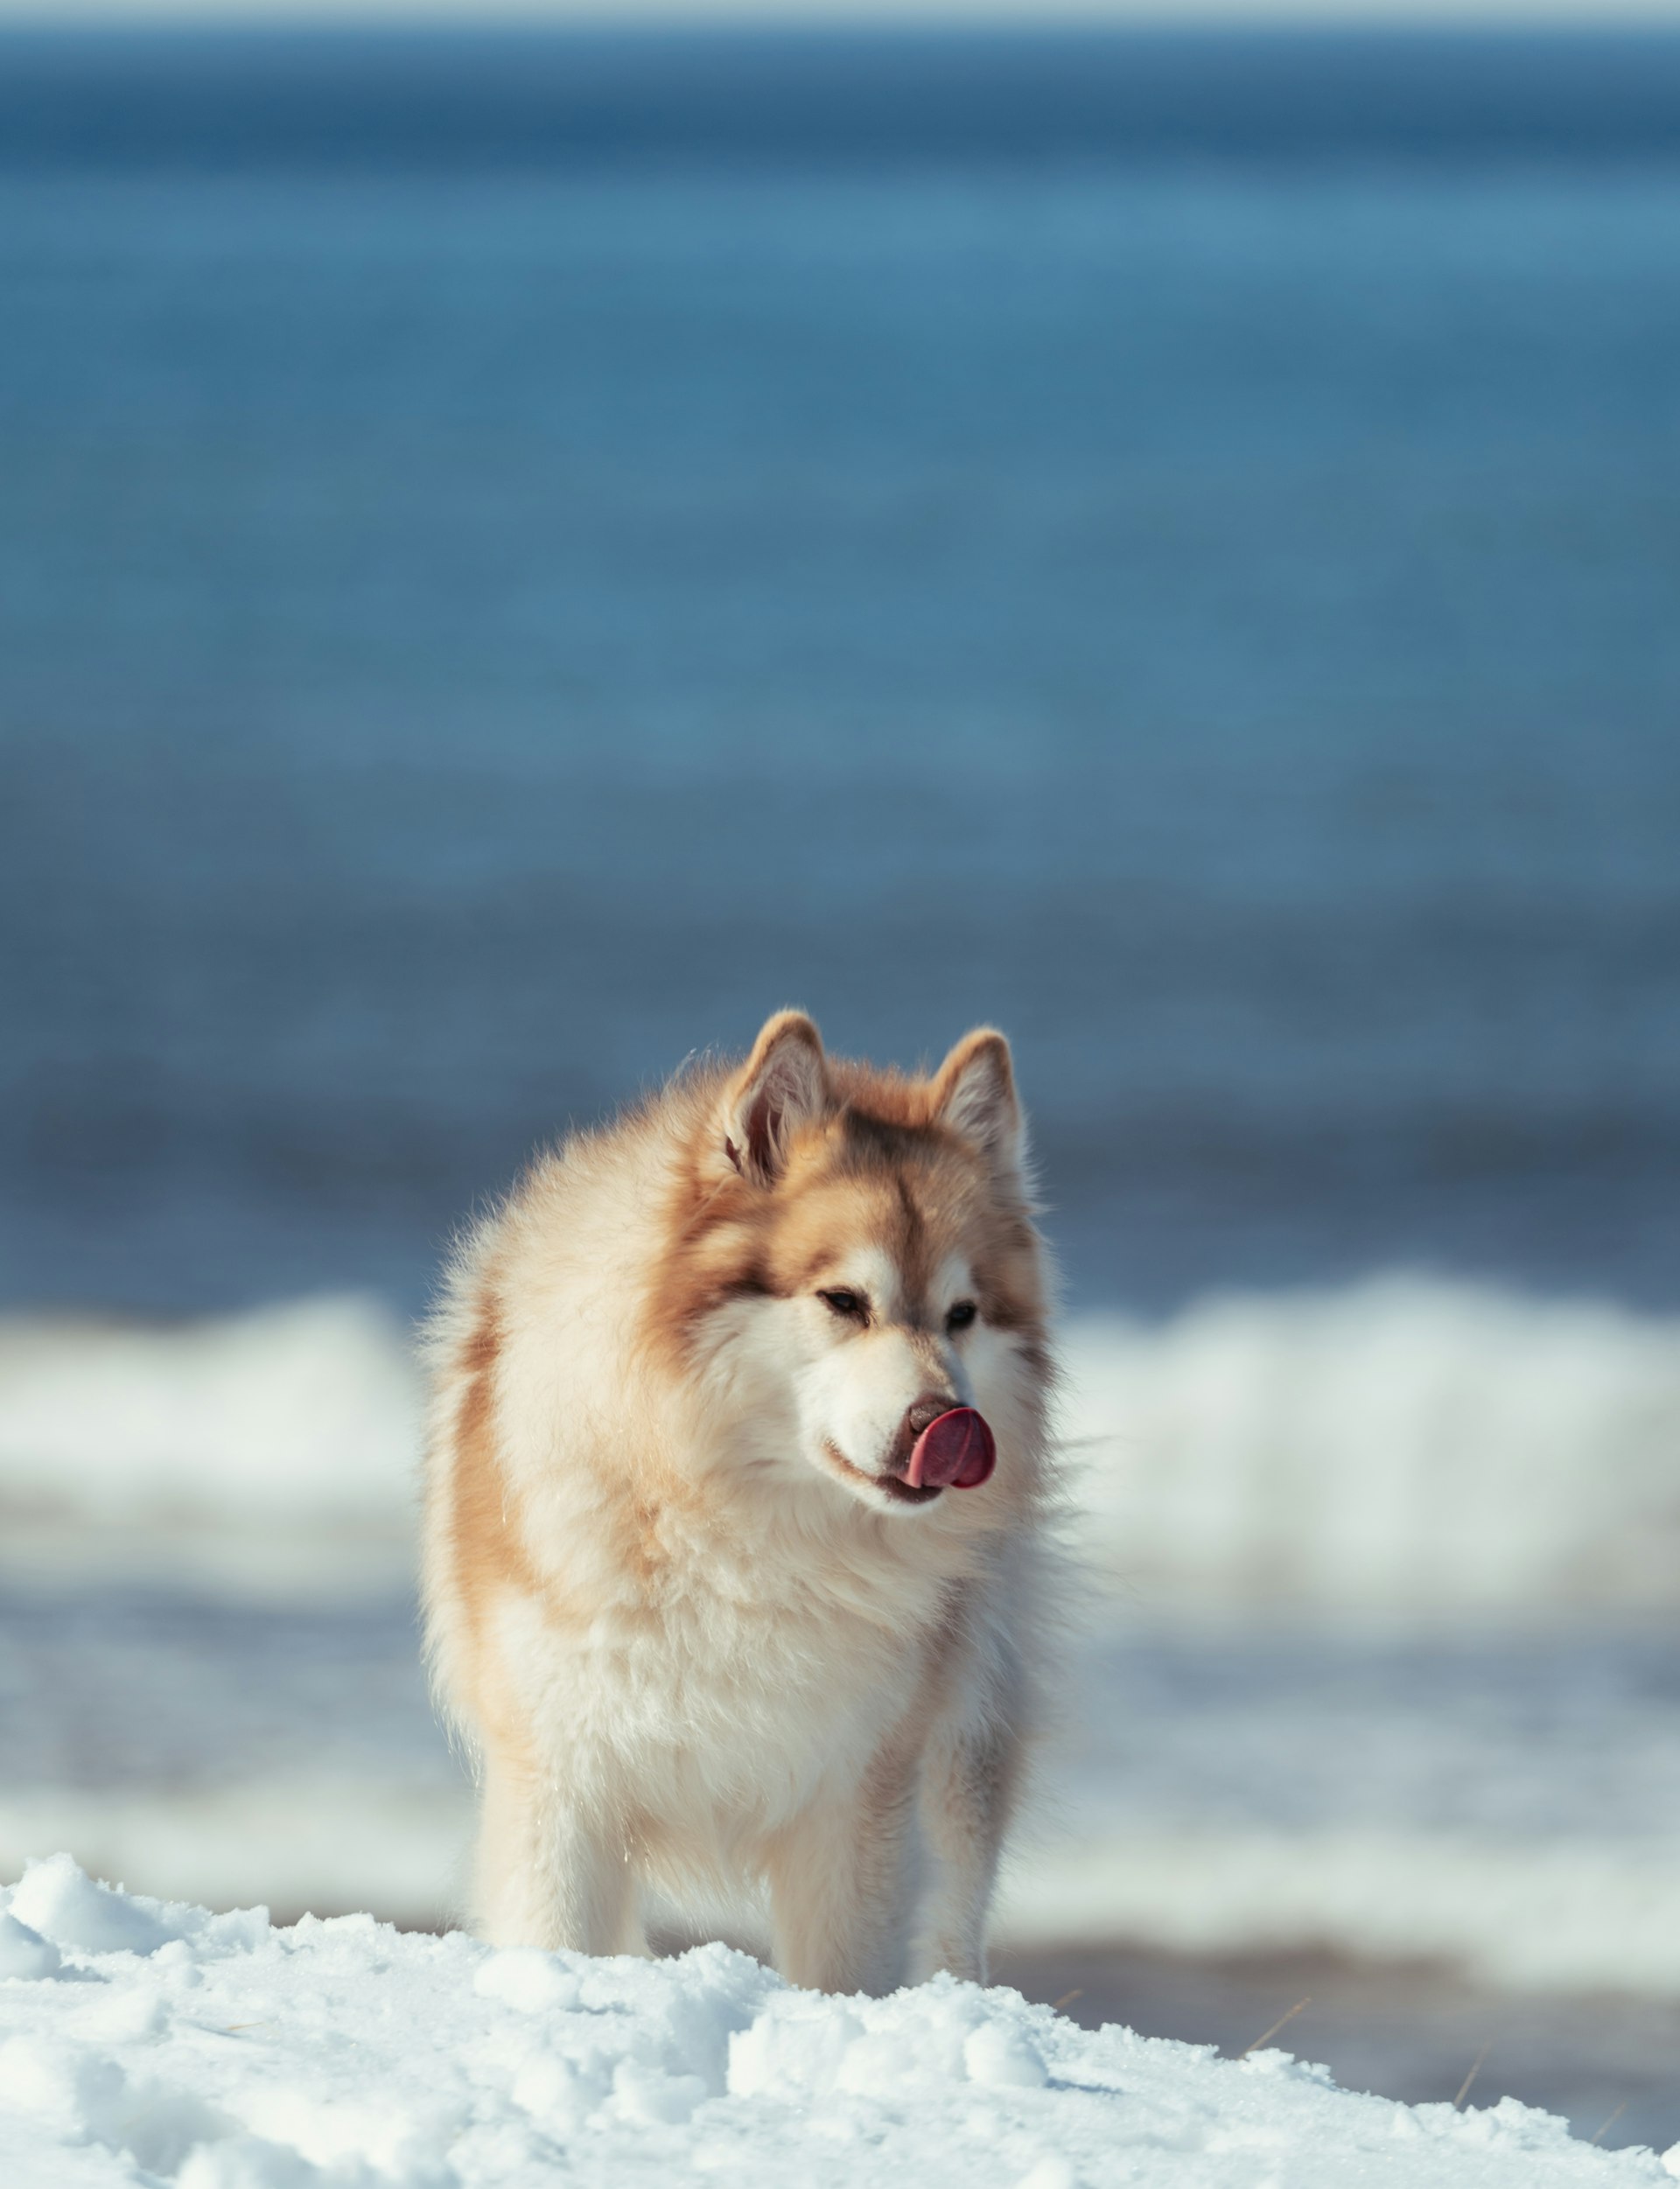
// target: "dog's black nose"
[[927, 1408]]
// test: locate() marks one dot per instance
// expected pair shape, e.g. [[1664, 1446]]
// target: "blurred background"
[[523, 550]]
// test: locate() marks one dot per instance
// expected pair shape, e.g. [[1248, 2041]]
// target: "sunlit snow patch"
[[146, 2040]]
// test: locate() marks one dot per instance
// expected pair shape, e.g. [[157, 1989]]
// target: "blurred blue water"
[[504, 581]]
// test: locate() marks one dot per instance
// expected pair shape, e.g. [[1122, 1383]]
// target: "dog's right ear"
[[974, 1092], [783, 1084]]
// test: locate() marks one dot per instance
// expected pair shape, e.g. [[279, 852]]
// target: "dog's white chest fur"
[[729, 1713]]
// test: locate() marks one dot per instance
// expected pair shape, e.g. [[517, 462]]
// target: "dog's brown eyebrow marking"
[[753, 1283]]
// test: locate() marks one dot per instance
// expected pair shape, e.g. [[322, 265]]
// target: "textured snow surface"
[[143, 2042]]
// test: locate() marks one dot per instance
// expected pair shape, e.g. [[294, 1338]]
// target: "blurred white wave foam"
[[275, 1448], [1406, 1446]]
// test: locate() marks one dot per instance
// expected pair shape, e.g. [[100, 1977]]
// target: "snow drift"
[[140, 2039], [1406, 1446]]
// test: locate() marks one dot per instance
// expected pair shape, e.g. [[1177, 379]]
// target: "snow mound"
[[216, 2053]]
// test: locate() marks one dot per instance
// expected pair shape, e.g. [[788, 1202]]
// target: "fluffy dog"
[[736, 1487]]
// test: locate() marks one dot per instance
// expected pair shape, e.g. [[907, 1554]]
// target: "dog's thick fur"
[[679, 1599]]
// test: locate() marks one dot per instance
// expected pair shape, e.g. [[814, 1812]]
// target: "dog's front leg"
[[547, 1874], [841, 1885], [970, 1775]]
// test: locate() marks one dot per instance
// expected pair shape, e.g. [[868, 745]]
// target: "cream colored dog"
[[736, 1480]]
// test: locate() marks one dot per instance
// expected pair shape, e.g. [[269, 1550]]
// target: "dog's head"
[[859, 1277]]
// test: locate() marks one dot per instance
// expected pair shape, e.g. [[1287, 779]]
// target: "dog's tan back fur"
[[688, 1635]]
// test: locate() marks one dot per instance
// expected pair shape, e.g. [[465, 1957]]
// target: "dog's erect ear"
[[783, 1084], [974, 1093]]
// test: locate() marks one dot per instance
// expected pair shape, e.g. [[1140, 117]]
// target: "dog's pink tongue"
[[954, 1452]]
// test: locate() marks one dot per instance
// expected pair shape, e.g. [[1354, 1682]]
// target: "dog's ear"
[[783, 1084], [974, 1093]]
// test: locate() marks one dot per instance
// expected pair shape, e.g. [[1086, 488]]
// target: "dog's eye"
[[961, 1316], [852, 1305]]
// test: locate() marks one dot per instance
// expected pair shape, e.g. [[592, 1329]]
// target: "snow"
[[155, 2043], [1405, 1445]]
